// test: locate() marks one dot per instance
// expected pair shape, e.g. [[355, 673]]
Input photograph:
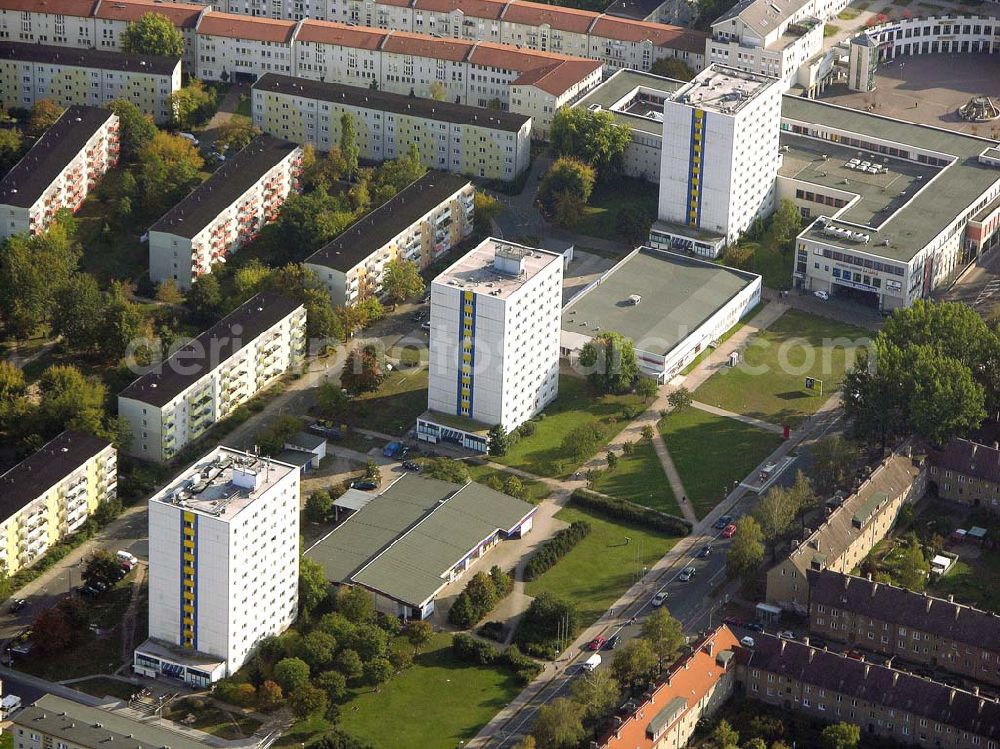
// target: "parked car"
[[591, 663], [723, 522], [705, 551], [18, 604], [754, 626], [426, 326], [326, 429], [126, 557], [732, 621], [392, 449], [418, 316], [747, 641], [365, 485], [597, 643], [190, 138], [659, 598], [855, 654], [824, 295], [786, 634], [612, 642], [409, 465], [729, 531], [687, 574], [9, 705]]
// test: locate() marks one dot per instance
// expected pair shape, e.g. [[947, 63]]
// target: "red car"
[[855, 654], [729, 531], [597, 643]]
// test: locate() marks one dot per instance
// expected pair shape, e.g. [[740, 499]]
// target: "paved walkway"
[[760, 424]]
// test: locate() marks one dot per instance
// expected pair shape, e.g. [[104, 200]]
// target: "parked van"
[[592, 662], [9, 705], [188, 136], [127, 558]]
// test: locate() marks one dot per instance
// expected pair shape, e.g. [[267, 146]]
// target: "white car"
[[659, 598], [747, 642], [687, 574], [786, 634], [824, 295]]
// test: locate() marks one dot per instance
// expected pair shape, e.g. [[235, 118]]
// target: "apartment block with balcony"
[[224, 212], [59, 171], [449, 137], [90, 77], [419, 225], [51, 493], [204, 381]]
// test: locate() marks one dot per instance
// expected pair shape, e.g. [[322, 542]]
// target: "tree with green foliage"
[[775, 512], [378, 671], [680, 399], [349, 663], [135, 129], [786, 223], [44, 114], [664, 634], [910, 568], [235, 134], [291, 674], [308, 701], [635, 663], [355, 603], [362, 370], [447, 469], [566, 176], [192, 105], [514, 487], [349, 143], [401, 280], [269, 696], [68, 400], [102, 568], [840, 736], [499, 440], [746, 551], [724, 737], [205, 299], [419, 633], [559, 724], [612, 460], [569, 210], [79, 317], [671, 67], [633, 223], [593, 137], [298, 282], [152, 34], [598, 693], [124, 323], [610, 361], [317, 649], [168, 168], [945, 399], [583, 440], [319, 506], [485, 209], [313, 585], [333, 683], [11, 148], [833, 459]]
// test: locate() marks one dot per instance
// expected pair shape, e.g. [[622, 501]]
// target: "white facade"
[[223, 560], [494, 342], [721, 156], [209, 378], [799, 41]]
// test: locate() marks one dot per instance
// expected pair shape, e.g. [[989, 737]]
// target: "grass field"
[[394, 407], [974, 581], [769, 383], [639, 478], [438, 703], [101, 686], [543, 453], [602, 566], [537, 491], [601, 214], [711, 452]]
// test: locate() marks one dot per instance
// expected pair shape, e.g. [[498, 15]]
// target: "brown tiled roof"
[[660, 35], [246, 27], [80, 8], [329, 32], [537, 14], [689, 680], [492, 9], [398, 3], [422, 45], [969, 458], [558, 77], [877, 684], [937, 616], [182, 15]]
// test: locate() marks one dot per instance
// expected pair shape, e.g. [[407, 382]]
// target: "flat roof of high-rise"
[[477, 271], [722, 89], [622, 95]]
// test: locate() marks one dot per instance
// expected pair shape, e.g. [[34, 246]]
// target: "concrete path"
[[766, 425], [129, 620], [673, 477]]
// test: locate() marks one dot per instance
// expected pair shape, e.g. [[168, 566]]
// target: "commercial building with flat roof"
[[59, 170], [223, 565], [51, 493], [671, 306], [449, 137], [415, 537], [225, 211], [207, 379], [419, 225], [494, 342], [90, 77]]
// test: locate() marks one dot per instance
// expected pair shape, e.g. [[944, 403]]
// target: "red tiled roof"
[[397, 3], [246, 27], [661, 35], [492, 9], [328, 32], [490, 54], [558, 77], [81, 8], [182, 15], [422, 45], [690, 679], [537, 14]]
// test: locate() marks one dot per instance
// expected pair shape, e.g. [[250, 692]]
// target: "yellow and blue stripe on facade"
[[696, 160], [189, 580], [466, 353]]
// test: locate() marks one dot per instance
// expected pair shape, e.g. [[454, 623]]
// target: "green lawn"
[[225, 724], [603, 566], [711, 452], [537, 491], [104, 687], [436, 704], [639, 478], [543, 453], [774, 266], [394, 407], [973, 581], [601, 214], [243, 108], [769, 383]]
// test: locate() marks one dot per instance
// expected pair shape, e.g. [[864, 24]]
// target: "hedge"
[[621, 509], [556, 548], [480, 653]]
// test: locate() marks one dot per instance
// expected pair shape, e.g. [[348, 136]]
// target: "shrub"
[[547, 619], [526, 429], [471, 650], [556, 548], [524, 668], [480, 597], [621, 509], [492, 631]]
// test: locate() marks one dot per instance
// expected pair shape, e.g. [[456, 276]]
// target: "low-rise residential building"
[[966, 471], [51, 493], [882, 701], [224, 212], [849, 532], [419, 225], [449, 137], [693, 688], [53, 721], [91, 77], [672, 307], [911, 627], [223, 565], [204, 381], [409, 541], [59, 170], [494, 342]]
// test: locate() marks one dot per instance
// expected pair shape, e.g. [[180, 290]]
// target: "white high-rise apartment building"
[[719, 159], [223, 565], [494, 342]]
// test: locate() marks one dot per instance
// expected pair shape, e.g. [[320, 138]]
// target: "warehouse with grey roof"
[[406, 543]]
